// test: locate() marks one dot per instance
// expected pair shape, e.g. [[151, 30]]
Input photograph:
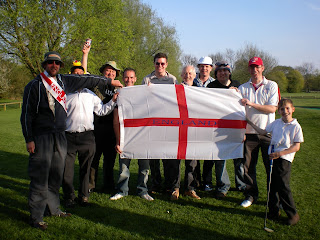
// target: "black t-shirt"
[[217, 84]]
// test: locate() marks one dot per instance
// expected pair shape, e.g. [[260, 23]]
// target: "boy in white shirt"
[[286, 138]]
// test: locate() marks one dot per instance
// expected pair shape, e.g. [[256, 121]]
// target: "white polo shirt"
[[266, 94], [284, 135]]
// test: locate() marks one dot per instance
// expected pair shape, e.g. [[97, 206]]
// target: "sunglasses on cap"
[[54, 61], [162, 64], [221, 64]]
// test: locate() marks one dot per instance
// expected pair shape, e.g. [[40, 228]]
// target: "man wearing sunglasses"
[[171, 167], [222, 73], [43, 121]]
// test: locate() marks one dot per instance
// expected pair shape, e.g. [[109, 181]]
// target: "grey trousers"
[[45, 171]]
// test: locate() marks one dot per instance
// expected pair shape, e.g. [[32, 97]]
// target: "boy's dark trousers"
[[280, 192]]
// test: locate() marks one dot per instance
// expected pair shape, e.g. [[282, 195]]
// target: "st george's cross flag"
[[180, 122]]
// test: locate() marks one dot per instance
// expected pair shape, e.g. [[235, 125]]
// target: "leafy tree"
[[280, 78], [295, 81], [240, 59], [150, 35], [106, 23], [30, 28]]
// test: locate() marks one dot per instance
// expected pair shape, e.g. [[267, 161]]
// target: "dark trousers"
[[155, 174], [82, 144], [171, 170], [45, 171], [251, 153], [280, 192], [222, 177], [105, 144]]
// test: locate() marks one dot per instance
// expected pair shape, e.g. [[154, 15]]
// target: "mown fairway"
[[134, 218]]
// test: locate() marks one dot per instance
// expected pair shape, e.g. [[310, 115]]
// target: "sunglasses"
[[162, 64], [54, 61], [219, 64]]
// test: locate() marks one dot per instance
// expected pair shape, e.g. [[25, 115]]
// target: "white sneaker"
[[246, 203], [207, 188], [147, 197], [117, 196]]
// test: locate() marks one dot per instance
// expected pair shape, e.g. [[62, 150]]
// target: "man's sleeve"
[[29, 110], [74, 82], [274, 94]]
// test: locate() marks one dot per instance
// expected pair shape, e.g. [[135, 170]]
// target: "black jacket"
[[37, 117]]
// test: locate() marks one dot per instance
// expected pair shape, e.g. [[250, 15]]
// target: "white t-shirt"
[[284, 135], [81, 106], [266, 94]]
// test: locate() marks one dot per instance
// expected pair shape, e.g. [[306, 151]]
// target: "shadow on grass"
[[147, 226], [13, 206]]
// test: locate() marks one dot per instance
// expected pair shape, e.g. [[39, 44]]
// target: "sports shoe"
[[207, 188], [40, 225], [175, 194], [117, 196], [246, 203], [147, 197], [294, 220], [192, 193]]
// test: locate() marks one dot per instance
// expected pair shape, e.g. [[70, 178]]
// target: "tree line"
[[126, 31]]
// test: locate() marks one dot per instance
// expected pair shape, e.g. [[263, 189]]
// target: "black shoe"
[[70, 203], [63, 215], [273, 215], [220, 195], [40, 225]]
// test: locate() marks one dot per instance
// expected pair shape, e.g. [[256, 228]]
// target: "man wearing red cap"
[[260, 97]]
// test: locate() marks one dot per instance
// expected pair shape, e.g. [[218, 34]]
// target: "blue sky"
[[289, 30]]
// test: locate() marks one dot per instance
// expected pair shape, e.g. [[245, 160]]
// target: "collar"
[[264, 81], [153, 75]]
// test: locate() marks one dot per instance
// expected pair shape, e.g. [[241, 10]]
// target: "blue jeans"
[[222, 177], [124, 175], [239, 174]]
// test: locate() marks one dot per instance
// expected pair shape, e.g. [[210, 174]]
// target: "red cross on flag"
[[180, 122]]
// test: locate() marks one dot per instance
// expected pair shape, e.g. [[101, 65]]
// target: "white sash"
[[55, 90]]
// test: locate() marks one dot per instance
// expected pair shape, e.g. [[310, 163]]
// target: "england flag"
[[181, 122]]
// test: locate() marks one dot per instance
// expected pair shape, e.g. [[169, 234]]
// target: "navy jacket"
[[37, 117]]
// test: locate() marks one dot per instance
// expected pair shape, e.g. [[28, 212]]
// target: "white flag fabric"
[[180, 122]]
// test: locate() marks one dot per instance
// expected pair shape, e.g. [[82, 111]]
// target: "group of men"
[[62, 116]]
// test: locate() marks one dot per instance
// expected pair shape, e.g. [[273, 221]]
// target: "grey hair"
[[192, 67]]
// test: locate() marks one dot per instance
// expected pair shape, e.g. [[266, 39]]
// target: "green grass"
[[135, 218], [304, 100]]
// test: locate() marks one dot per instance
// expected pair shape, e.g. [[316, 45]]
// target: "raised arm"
[[85, 50]]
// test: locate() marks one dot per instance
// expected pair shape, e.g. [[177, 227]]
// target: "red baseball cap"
[[255, 61]]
